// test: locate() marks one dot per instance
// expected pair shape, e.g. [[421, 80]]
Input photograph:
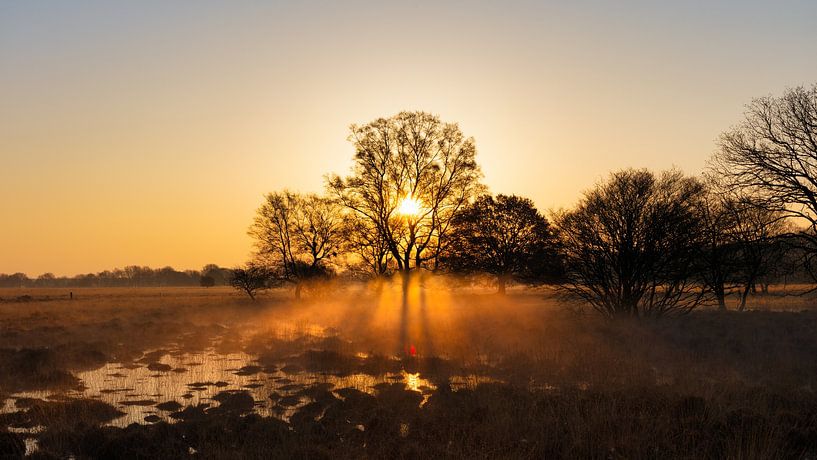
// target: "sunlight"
[[410, 207]]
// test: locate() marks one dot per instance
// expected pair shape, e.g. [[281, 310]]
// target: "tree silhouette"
[[368, 245], [504, 236], [630, 246], [207, 281], [718, 255], [296, 235], [772, 155], [756, 233], [251, 279], [219, 275], [134, 276], [411, 158]]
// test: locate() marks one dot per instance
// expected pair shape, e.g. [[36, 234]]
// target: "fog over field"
[[350, 371]]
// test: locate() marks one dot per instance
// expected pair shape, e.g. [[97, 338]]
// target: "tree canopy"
[[772, 155], [295, 235], [505, 236], [411, 158], [630, 246]]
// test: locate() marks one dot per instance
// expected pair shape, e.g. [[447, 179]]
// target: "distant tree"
[[132, 275], [219, 275], [86, 280], [741, 243], [296, 235], [772, 155], [207, 281], [412, 173], [631, 244], [504, 236], [136, 275], [756, 233], [17, 280], [46, 280], [718, 255], [251, 279]]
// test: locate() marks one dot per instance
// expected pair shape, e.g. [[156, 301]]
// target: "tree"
[[772, 155], [717, 244], [219, 275], [411, 175], [207, 281], [251, 279], [370, 248], [741, 242], [630, 245], [295, 235], [46, 279], [756, 233], [504, 236]]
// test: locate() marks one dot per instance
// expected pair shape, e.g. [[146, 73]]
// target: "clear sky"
[[146, 132]]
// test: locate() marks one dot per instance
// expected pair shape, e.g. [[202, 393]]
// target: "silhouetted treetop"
[[411, 158], [630, 245], [296, 235], [772, 155], [505, 236]]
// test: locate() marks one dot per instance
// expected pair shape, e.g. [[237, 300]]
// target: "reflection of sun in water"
[[410, 207], [413, 381]]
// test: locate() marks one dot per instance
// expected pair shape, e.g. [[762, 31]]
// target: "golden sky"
[[147, 132]]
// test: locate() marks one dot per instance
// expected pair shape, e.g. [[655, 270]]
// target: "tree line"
[[638, 243], [130, 276]]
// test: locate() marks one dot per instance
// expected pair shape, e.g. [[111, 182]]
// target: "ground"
[[361, 372]]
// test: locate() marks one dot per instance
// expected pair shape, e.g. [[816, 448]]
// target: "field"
[[362, 372]]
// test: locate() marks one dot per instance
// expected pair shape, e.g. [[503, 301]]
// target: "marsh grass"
[[541, 380]]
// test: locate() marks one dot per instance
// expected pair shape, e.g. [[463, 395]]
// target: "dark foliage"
[[631, 245], [130, 276], [252, 279], [504, 236]]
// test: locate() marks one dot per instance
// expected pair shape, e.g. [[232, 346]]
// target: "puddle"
[[174, 381]]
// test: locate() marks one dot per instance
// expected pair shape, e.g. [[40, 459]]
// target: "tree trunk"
[[721, 296], [743, 296], [298, 291], [501, 282]]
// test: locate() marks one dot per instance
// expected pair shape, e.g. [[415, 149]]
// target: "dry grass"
[[708, 385]]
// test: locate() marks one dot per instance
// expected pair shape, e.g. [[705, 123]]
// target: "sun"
[[409, 207]]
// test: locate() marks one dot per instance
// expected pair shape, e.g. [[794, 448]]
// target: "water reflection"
[[165, 382]]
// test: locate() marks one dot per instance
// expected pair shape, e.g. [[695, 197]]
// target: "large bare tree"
[[631, 245], [772, 155], [412, 172]]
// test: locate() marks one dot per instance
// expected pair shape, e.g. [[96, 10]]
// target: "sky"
[[148, 132]]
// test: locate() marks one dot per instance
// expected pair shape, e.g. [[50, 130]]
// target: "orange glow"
[[159, 155]]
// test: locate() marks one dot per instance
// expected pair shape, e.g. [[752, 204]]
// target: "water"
[[190, 379]]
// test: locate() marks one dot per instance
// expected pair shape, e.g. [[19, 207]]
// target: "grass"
[[546, 381]]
